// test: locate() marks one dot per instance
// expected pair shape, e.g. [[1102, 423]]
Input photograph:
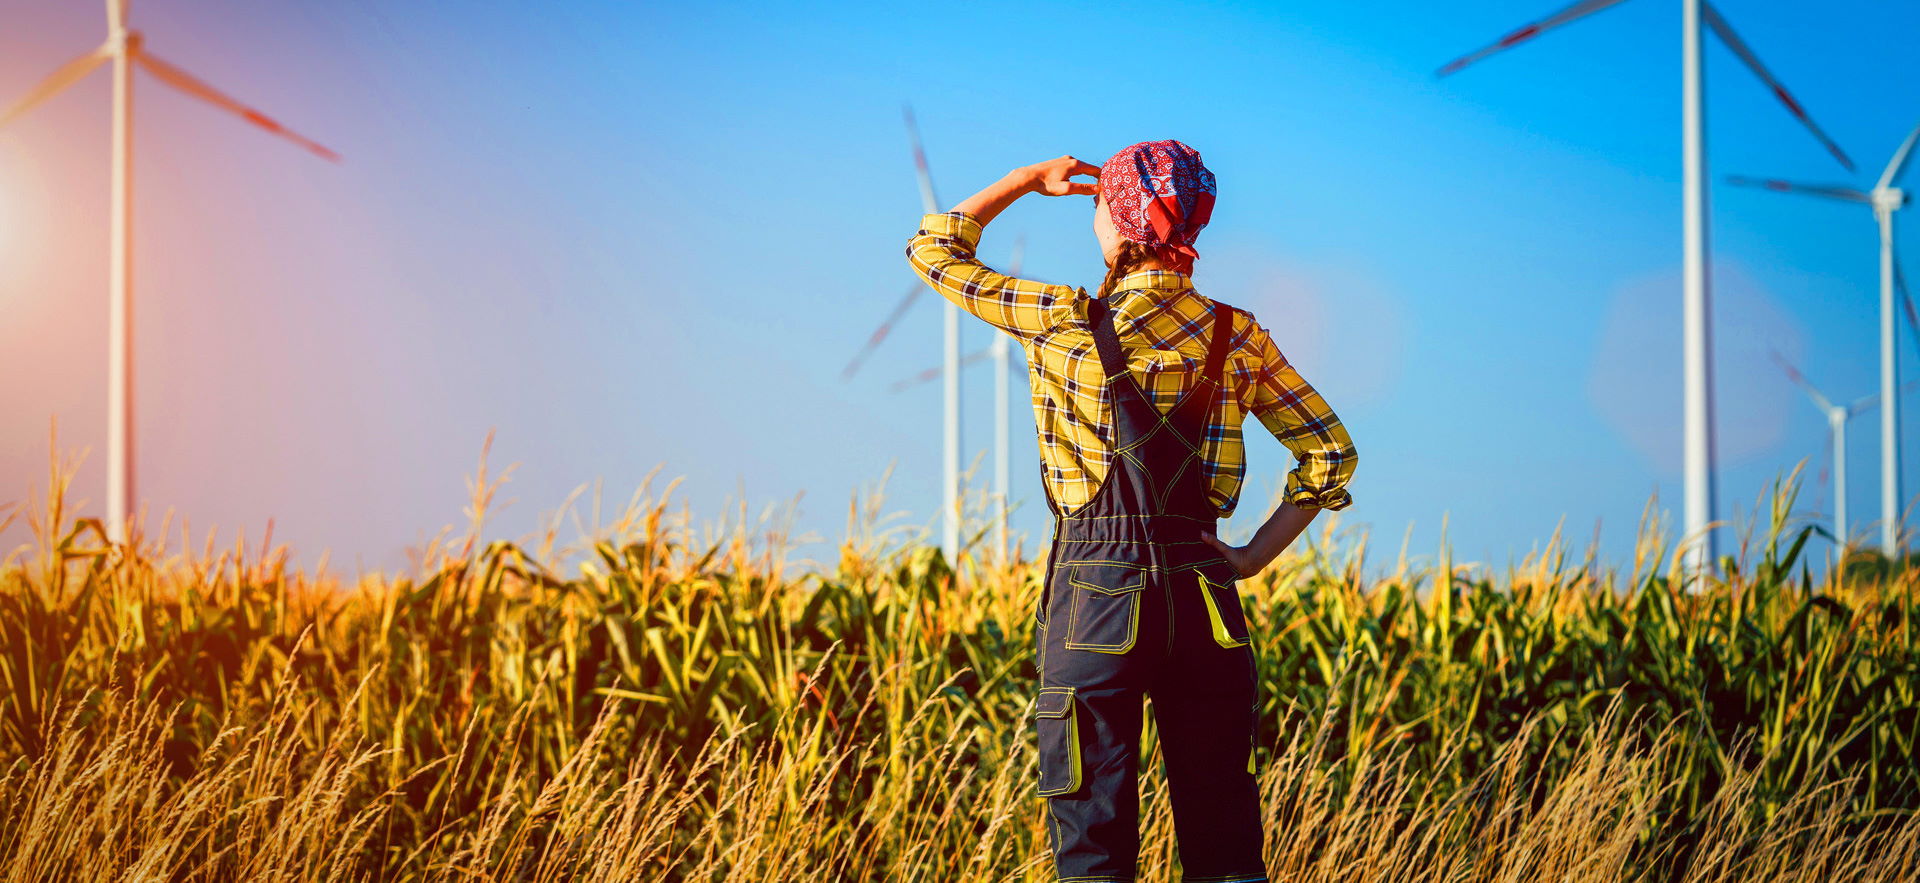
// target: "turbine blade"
[[116, 15], [1899, 163], [935, 372], [880, 333], [173, 76], [66, 75], [1870, 401], [1830, 191], [927, 199], [1578, 10], [1801, 381], [1719, 26]]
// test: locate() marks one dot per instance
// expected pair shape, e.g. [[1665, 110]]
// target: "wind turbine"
[[950, 447], [126, 48], [1001, 353], [950, 454], [1697, 338], [1885, 199], [1837, 417]]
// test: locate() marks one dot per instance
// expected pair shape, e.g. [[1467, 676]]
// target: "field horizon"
[[648, 702]]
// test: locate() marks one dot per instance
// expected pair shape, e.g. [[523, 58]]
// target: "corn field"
[[652, 703]]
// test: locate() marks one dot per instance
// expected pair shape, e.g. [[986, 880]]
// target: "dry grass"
[[644, 705]]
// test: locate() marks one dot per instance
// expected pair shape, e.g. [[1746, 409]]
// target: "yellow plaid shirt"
[[1164, 326]]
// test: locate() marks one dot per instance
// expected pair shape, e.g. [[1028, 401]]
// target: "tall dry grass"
[[651, 704]]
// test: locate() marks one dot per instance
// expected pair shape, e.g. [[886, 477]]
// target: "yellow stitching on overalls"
[[1141, 516], [1190, 445], [1073, 744], [1194, 564], [1133, 628], [1142, 439], [1127, 564], [1166, 421], [1108, 592], [1220, 635], [1133, 625], [1053, 822], [1160, 500]]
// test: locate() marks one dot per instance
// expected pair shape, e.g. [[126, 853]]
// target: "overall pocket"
[[1059, 741], [1219, 587], [1105, 615]]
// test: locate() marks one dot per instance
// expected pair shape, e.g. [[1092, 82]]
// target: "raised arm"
[[942, 252]]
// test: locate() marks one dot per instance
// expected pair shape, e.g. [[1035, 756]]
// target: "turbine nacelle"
[[1888, 199]]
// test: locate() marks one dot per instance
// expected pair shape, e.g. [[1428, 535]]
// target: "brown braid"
[[1125, 261]]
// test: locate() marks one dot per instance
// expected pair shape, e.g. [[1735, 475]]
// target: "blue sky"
[[630, 236]]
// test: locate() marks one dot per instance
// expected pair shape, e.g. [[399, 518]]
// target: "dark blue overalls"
[[1136, 604]]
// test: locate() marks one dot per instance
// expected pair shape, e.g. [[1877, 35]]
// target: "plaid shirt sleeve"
[[1301, 420], [942, 252]]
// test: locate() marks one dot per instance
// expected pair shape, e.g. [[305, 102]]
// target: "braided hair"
[[1126, 260]]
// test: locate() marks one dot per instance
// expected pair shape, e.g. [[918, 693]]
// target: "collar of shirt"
[[1158, 280], [1141, 294]]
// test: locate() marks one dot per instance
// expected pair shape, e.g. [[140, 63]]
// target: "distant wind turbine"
[[950, 435], [1885, 199], [1837, 417], [1697, 337], [1001, 352], [126, 48], [936, 372]]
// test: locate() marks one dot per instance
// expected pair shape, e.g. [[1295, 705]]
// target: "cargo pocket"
[[1218, 587], [1059, 741], [1106, 607]]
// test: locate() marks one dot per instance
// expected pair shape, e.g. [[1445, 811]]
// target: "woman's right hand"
[[1051, 177]]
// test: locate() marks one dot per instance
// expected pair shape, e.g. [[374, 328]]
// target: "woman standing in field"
[[1139, 394]]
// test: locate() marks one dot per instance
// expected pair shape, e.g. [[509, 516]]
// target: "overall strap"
[[1113, 364], [1218, 342], [1100, 321]]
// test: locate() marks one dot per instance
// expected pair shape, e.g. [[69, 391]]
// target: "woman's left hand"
[[1242, 558]]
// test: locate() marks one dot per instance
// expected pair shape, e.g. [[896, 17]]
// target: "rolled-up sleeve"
[[942, 252], [1296, 415]]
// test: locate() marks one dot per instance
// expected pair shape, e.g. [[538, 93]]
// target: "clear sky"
[[639, 236]]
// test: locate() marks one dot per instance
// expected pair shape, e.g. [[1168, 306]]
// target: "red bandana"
[[1159, 195]]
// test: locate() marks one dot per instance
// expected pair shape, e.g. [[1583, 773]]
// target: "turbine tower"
[[1837, 417], [950, 337], [1001, 352], [125, 48], [950, 434], [1885, 199], [1697, 350]]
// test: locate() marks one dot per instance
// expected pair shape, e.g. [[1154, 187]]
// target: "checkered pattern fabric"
[[1163, 324]]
